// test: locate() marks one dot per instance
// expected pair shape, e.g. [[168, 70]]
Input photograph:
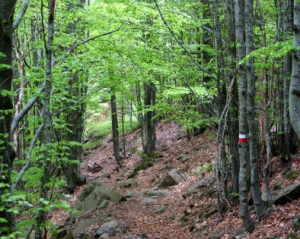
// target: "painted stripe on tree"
[[242, 138]]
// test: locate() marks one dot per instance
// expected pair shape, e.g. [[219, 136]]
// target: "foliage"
[[116, 47]]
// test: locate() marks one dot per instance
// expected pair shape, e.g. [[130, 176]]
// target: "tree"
[[149, 102], [251, 111], [294, 92], [75, 107], [47, 131], [248, 222], [7, 154]]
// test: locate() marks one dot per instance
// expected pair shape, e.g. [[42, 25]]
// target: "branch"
[[76, 43], [179, 42], [21, 14], [75, 103], [26, 166], [24, 111]]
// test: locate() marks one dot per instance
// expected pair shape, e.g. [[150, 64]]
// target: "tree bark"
[[252, 116], [248, 222], [75, 118], [6, 108], [47, 134], [294, 92], [149, 101], [233, 112], [115, 130]]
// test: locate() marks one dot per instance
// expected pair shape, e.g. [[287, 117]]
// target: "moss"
[[292, 235], [292, 175], [185, 221], [277, 185], [147, 161]]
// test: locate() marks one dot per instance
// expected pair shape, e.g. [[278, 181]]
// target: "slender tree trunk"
[[75, 118], [6, 109], [47, 134], [223, 107], [233, 112], [75, 121], [115, 128], [252, 116], [294, 92], [248, 222], [149, 127]]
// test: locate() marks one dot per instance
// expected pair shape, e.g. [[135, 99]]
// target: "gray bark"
[[6, 151], [248, 222], [252, 116], [149, 102], [223, 107], [47, 134], [233, 112], [75, 119], [294, 92], [115, 130]]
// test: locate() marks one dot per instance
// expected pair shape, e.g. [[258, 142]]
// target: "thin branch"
[[179, 42], [24, 111], [76, 43], [21, 14], [27, 165], [75, 103]]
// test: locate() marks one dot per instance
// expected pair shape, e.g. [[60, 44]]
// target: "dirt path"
[[164, 218], [174, 217]]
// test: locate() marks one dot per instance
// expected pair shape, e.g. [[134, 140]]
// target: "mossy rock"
[[277, 185], [147, 162]]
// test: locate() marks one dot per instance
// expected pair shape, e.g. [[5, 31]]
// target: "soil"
[[195, 216]]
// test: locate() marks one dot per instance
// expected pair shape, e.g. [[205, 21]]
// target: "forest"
[[231, 67]]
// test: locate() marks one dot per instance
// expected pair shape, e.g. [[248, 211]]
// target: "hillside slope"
[[177, 216]]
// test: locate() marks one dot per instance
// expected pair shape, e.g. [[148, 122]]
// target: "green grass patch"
[[96, 132]]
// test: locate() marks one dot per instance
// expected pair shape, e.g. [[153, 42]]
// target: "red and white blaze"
[[242, 138]]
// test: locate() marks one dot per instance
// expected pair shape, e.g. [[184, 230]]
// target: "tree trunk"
[[243, 128], [75, 119], [294, 92], [233, 112], [6, 107], [149, 127], [223, 106], [115, 130], [252, 116], [47, 134]]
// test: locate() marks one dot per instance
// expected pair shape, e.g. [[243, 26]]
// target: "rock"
[[284, 195], [94, 194], [63, 234], [183, 158], [109, 228], [87, 222], [83, 235], [158, 193], [94, 167], [170, 179], [149, 201], [126, 183], [296, 223], [103, 204], [105, 175], [196, 187], [104, 236], [159, 210], [130, 194]]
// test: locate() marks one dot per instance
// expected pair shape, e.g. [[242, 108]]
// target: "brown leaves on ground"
[[183, 218]]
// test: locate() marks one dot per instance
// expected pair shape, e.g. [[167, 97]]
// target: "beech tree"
[[294, 93], [193, 62], [7, 154]]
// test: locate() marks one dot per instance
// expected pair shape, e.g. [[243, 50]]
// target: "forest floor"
[[195, 216]]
